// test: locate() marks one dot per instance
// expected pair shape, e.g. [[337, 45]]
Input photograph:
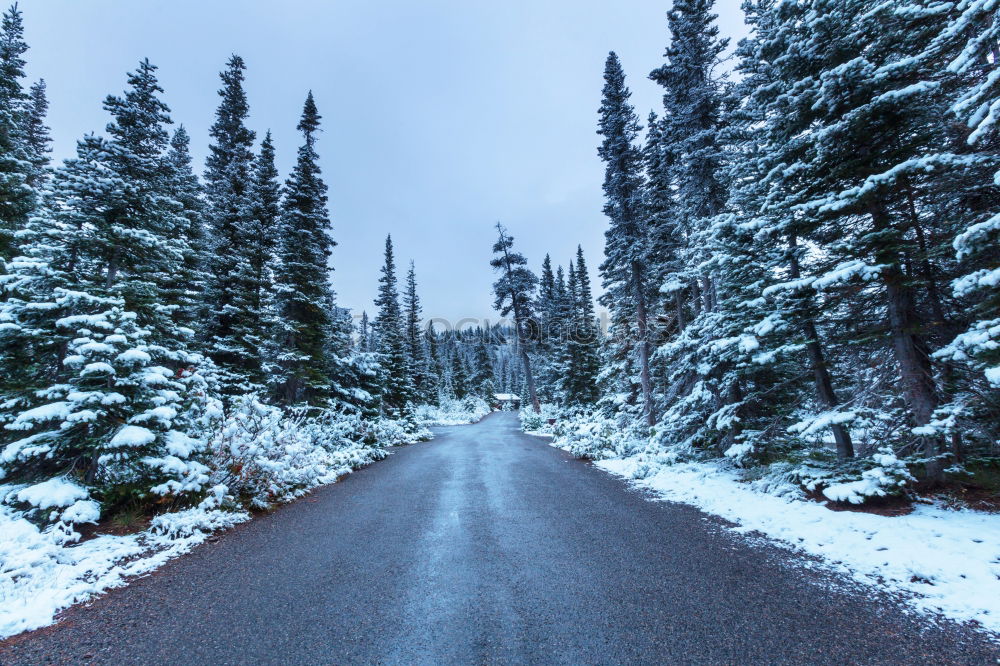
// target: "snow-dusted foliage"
[[451, 411], [257, 456], [41, 573], [263, 455]]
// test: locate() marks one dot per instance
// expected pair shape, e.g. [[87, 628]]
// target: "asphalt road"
[[488, 546]]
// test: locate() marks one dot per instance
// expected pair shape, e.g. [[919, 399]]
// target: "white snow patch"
[[132, 435], [945, 561], [56, 492], [40, 575]]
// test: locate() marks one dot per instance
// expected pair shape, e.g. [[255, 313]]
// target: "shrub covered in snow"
[[888, 476], [119, 430], [538, 422], [263, 455], [452, 411]]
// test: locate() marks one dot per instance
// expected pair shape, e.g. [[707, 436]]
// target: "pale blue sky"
[[440, 117]]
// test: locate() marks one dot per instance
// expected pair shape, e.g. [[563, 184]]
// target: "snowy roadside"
[[43, 571], [942, 560], [40, 574]]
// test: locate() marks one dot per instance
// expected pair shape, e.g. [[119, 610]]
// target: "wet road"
[[488, 546]]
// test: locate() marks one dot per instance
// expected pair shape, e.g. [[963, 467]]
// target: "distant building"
[[506, 401]]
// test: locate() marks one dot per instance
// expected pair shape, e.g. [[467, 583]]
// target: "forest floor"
[[486, 545]]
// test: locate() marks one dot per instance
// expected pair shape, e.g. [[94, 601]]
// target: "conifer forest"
[[794, 326]]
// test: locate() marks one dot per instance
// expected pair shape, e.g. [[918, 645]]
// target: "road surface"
[[488, 546]]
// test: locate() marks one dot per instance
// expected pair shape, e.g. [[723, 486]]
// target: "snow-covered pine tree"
[[966, 50], [232, 330], [183, 290], [17, 200], [304, 296], [483, 377], [459, 376], [390, 333], [265, 214], [424, 386], [513, 291], [107, 393], [669, 280], [583, 339], [878, 169], [787, 329], [37, 134], [624, 268], [689, 133], [435, 362]]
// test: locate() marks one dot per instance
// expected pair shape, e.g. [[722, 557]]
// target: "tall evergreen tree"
[[108, 392], [231, 328], [37, 134], [305, 299], [513, 290], [185, 288], [423, 383], [16, 168], [391, 336], [624, 269], [583, 339]]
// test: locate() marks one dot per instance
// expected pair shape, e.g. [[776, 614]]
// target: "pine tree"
[[624, 267], [423, 382], [482, 380], [583, 339], [459, 376], [304, 297], [36, 133], [184, 289], [232, 329], [690, 131], [16, 168], [107, 391], [265, 213], [513, 290], [389, 330]]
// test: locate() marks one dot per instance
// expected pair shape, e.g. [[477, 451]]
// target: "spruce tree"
[[583, 339], [107, 392], [184, 289], [304, 296], [424, 387], [389, 329], [37, 133], [16, 167], [624, 268], [232, 331]]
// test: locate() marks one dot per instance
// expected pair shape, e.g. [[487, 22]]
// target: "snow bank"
[[257, 456], [40, 575], [945, 561]]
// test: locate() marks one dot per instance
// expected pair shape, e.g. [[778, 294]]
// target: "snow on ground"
[[944, 561], [258, 454], [41, 575]]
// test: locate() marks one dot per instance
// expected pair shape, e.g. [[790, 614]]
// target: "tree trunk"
[[528, 376], [643, 345], [909, 348], [824, 387], [821, 375], [109, 280], [679, 305]]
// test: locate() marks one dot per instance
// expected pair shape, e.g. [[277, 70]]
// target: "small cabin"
[[506, 401]]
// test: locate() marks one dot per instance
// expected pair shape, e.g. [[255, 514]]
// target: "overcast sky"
[[440, 117]]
